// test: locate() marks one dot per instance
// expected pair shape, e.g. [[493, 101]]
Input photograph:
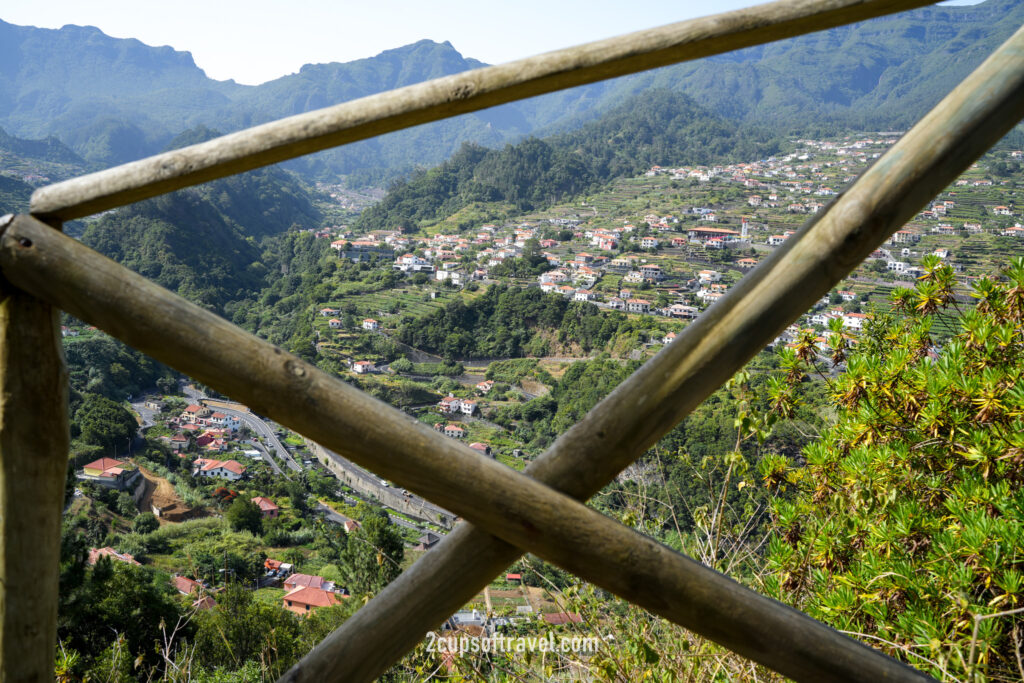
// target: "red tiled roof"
[[205, 602], [265, 503], [304, 580], [185, 585], [96, 553], [104, 464], [314, 597]]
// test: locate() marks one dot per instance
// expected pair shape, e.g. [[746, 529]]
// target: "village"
[[673, 241]]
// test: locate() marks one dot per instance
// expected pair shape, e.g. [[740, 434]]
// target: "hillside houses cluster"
[[775, 196]]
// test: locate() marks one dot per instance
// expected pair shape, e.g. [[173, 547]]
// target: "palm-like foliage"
[[909, 522]]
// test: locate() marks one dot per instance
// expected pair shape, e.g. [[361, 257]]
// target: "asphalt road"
[[145, 414], [258, 427], [375, 482], [261, 428]]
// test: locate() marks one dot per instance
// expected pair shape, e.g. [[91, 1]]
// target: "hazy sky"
[[260, 40]]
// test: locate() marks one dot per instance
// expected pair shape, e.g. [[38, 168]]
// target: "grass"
[[269, 596]]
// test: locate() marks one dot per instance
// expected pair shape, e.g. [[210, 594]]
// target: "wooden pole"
[[946, 141], [941, 146], [522, 511], [709, 351], [449, 96], [33, 463]]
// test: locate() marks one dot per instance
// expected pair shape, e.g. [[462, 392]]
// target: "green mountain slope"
[[204, 243], [660, 127]]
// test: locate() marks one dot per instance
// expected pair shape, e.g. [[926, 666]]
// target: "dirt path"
[[161, 493]]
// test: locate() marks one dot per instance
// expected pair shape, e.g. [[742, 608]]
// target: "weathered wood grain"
[[33, 462], [449, 96]]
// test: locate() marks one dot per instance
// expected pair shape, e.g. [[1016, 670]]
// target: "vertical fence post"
[[33, 462]]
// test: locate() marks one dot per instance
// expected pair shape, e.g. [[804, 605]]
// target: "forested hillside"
[[204, 242], [659, 127]]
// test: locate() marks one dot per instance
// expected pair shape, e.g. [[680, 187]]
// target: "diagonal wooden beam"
[[64, 272], [450, 96], [708, 352]]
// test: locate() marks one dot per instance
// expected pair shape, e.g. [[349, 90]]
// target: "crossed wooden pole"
[[507, 512]]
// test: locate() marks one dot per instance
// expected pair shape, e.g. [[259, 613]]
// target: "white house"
[[897, 266], [651, 271], [638, 306], [370, 324], [363, 367], [454, 431], [854, 321], [226, 469], [226, 421]]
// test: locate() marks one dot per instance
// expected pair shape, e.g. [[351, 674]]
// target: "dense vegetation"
[[511, 322], [203, 242], [908, 523]]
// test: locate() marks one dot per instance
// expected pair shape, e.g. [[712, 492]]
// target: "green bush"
[[909, 521]]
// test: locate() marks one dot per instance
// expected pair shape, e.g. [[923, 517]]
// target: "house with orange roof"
[[454, 431], [96, 553], [268, 508], [638, 306], [307, 581], [303, 600], [226, 469], [195, 414], [185, 585], [110, 473]]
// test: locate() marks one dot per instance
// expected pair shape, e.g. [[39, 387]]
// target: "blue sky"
[[260, 40]]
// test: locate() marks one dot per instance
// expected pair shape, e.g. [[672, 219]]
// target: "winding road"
[[258, 427]]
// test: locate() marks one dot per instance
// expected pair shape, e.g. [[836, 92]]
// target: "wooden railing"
[[508, 512]]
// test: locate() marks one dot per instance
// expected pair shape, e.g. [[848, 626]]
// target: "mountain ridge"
[[116, 99]]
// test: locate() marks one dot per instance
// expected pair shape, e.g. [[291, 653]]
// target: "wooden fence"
[[508, 512]]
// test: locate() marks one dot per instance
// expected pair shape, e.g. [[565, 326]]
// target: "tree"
[[373, 554], [118, 600], [126, 505], [297, 496], [240, 629], [145, 523], [244, 515], [402, 365], [167, 385], [105, 423]]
